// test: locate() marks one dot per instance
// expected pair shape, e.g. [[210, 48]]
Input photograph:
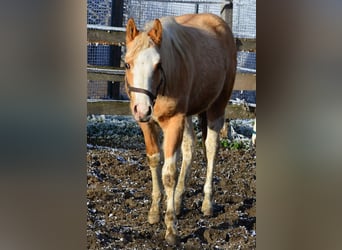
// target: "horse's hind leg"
[[150, 132], [211, 145], [187, 153], [215, 122]]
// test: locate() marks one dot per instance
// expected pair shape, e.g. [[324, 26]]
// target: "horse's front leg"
[[150, 132], [173, 131]]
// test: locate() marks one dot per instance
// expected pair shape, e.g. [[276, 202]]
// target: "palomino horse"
[[178, 67]]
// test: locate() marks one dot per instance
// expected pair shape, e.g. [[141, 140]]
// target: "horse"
[[178, 67]]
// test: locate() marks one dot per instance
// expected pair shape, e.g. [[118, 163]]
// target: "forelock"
[[141, 42]]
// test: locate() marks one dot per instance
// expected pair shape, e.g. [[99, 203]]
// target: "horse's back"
[[209, 23]]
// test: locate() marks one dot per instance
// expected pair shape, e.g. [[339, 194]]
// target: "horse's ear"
[[156, 32], [131, 30]]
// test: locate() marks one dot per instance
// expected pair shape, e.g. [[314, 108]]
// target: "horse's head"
[[144, 74]]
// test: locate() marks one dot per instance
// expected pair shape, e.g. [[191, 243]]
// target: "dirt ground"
[[119, 197]]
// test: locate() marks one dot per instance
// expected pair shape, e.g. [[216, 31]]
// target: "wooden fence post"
[[113, 88], [227, 13]]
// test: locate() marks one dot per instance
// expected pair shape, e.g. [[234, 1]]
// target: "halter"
[[147, 92]]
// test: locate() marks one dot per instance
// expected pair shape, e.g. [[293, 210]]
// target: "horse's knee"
[[153, 160]]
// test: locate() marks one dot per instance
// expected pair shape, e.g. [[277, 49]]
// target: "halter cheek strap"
[[147, 92]]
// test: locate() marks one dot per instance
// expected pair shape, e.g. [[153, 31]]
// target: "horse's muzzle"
[[142, 113]]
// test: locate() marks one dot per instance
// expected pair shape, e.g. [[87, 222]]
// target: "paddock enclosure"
[[118, 176]]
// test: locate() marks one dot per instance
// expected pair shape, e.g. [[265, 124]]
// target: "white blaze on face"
[[143, 72]]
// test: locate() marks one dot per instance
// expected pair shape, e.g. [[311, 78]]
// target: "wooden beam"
[[246, 44], [117, 37], [106, 37], [103, 107], [103, 73], [243, 81]]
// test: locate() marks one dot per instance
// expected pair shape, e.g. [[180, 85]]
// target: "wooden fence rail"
[[106, 35], [243, 81]]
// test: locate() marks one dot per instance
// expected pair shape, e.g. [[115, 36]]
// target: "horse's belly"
[[200, 103], [204, 93]]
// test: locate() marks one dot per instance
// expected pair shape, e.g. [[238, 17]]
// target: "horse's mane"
[[175, 46]]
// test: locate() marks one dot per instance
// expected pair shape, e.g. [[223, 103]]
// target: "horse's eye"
[[127, 66]]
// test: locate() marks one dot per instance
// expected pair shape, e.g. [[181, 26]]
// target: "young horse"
[[178, 67]]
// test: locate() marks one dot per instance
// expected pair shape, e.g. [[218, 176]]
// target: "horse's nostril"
[[149, 112], [135, 109]]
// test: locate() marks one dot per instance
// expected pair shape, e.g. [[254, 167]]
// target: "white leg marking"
[[211, 145], [187, 153], [154, 214], [169, 180]]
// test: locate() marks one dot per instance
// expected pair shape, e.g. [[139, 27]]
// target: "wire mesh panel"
[[143, 11], [246, 61], [97, 89], [244, 12], [98, 55], [98, 12], [244, 18]]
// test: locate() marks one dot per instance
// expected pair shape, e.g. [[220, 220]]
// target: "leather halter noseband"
[[147, 92]]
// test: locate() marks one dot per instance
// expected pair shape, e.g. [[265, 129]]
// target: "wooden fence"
[[116, 36], [106, 35]]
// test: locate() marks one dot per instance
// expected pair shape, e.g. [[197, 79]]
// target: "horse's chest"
[[164, 108]]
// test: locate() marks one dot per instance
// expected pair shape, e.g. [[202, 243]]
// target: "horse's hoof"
[[172, 239], [208, 211], [178, 209], [153, 218]]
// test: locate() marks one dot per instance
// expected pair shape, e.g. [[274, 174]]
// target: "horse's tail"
[[203, 122]]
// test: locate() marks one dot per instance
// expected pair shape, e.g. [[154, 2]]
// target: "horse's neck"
[[177, 71]]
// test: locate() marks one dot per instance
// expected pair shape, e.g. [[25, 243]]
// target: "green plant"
[[235, 145], [224, 143]]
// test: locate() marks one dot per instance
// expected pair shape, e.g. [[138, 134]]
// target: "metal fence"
[[98, 12]]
